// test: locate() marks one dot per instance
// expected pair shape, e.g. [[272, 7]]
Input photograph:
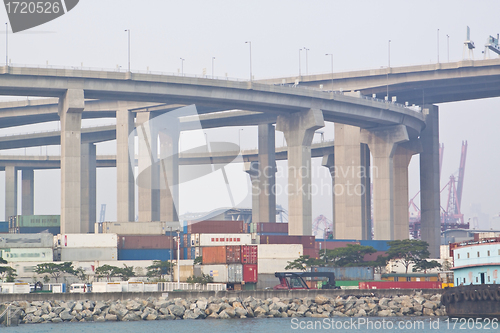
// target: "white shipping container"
[[150, 286], [444, 251], [132, 287], [235, 273], [88, 254], [21, 288], [279, 251], [225, 239], [134, 228], [41, 240], [87, 240], [106, 287], [29, 254], [271, 266], [218, 272]]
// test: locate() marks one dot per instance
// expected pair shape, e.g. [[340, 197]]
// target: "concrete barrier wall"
[[260, 294]]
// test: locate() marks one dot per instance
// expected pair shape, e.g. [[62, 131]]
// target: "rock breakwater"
[[321, 306]]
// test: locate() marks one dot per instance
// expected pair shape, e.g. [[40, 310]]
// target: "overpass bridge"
[[364, 126]]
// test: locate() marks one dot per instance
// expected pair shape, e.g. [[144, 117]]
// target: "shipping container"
[[379, 245], [132, 286], [133, 228], [271, 227], [185, 272], [271, 266], [312, 253], [249, 286], [321, 245], [280, 251], [347, 273], [106, 287], [150, 286], [86, 253], [4, 227], [216, 227], [197, 252], [235, 273], [193, 252], [146, 242], [401, 285], [187, 253], [27, 254], [87, 240], [145, 254], [249, 254], [224, 239], [214, 255], [26, 240], [306, 241], [36, 230], [37, 221], [250, 274], [185, 240], [218, 272]]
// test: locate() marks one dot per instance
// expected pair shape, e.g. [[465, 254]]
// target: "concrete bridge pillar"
[[10, 191], [267, 174], [125, 181], [71, 106], [299, 129], [382, 143], [252, 168], [328, 161], [28, 191], [402, 157], [88, 185], [430, 225], [169, 172], [352, 184], [148, 175]]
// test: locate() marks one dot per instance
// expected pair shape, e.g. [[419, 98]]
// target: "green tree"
[[424, 265], [378, 264], [303, 262], [125, 273], [80, 274], [159, 269], [408, 251], [11, 275], [203, 279], [55, 270], [46, 279], [198, 260], [106, 271], [351, 255]]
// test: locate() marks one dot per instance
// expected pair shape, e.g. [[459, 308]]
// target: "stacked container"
[[26, 247], [32, 224], [86, 247], [4, 227], [132, 228], [146, 247], [275, 257], [216, 227]]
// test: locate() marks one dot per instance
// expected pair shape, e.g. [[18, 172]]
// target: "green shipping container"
[[23, 221], [249, 286]]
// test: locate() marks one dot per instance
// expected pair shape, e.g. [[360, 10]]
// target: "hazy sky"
[[356, 32]]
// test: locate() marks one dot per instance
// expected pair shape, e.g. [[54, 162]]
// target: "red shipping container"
[[146, 242], [249, 254], [233, 254], [307, 242], [250, 274], [312, 253], [213, 255], [401, 285], [272, 227], [217, 227], [373, 256]]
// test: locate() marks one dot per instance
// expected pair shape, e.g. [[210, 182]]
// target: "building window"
[[477, 279], [458, 256], [488, 278], [427, 279], [457, 282], [408, 278], [468, 255], [464, 280], [488, 253], [478, 254]]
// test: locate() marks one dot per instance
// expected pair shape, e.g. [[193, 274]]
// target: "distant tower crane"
[[491, 44], [322, 227]]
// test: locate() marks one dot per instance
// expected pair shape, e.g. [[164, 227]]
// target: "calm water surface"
[[372, 324]]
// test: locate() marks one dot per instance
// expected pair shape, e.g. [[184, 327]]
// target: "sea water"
[[262, 325]]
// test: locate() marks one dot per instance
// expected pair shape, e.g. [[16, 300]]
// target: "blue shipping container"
[[36, 230], [185, 250], [173, 233], [379, 245], [144, 254], [347, 273], [335, 240], [193, 253], [272, 233], [4, 227]]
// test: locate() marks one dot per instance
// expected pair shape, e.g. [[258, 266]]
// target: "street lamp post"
[[307, 66], [448, 46], [213, 58], [250, 44], [128, 30], [300, 74], [239, 137], [438, 44], [182, 66], [178, 259], [331, 55], [171, 256], [388, 68], [6, 44]]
